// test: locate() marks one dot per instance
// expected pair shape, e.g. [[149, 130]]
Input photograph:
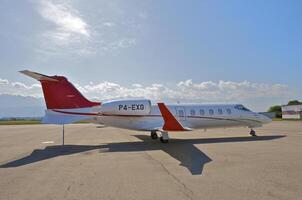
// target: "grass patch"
[[31, 122], [19, 122], [280, 119]]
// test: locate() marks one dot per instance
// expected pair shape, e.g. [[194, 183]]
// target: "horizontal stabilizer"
[[37, 76]]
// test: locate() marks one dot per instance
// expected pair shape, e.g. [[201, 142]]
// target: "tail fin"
[[59, 93]]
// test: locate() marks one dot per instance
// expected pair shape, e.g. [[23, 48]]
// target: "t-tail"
[[65, 104]]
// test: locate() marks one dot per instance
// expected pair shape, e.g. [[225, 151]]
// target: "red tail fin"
[[59, 93]]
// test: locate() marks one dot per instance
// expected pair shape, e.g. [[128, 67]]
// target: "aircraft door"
[[181, 113]]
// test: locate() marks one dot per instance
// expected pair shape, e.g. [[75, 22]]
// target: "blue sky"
[[200, 51]]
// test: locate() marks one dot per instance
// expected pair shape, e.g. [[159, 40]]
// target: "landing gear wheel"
[[253, 133], [163, 140], [154, 135]]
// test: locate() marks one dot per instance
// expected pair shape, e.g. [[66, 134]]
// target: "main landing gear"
[[164, 136], [253, 133], [154, 135]]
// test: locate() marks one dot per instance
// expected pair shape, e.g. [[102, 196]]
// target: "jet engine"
[[126, 107]]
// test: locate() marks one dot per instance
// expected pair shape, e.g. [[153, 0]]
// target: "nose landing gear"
[[253, 133]]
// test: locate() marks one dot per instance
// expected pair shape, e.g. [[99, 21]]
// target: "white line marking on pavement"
[[48, 142]]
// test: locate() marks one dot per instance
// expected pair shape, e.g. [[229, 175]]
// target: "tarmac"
[[108, 163]]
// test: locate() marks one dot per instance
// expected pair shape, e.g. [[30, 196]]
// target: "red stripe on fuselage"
[[111, 115]]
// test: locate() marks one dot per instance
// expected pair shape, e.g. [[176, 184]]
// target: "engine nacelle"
[[126, 107]]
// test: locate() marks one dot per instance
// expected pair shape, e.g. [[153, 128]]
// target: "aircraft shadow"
[[48, 153], [182, 150]]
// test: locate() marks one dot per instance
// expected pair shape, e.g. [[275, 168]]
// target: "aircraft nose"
[[265, 119]]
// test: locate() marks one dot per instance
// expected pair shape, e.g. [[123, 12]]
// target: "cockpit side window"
[[241, 107]]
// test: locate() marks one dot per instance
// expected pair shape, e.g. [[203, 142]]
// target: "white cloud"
[[137, 85], [228, 91], [72, 30], [69, 24], [3, 81], [109, 24], [123, 43], [184, 91], [17, 88]]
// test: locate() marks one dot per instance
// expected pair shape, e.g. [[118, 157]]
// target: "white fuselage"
[[65, 104], [195, 116]]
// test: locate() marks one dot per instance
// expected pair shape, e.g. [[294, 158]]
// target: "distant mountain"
[[20, 106]]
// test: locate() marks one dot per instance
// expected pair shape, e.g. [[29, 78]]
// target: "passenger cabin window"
[[201, 112], [229, 111], [220, 112], [192, 112], [181, 113], [211, 112]]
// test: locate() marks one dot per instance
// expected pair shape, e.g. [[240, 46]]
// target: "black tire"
[[253, 133], [163, 140], [154, 136]]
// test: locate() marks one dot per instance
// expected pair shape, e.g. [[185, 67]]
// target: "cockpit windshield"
[[241, 107]]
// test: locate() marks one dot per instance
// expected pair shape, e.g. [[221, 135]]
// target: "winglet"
[[171, 123]]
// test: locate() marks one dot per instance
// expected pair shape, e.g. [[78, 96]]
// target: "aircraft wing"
[[171, 123]]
